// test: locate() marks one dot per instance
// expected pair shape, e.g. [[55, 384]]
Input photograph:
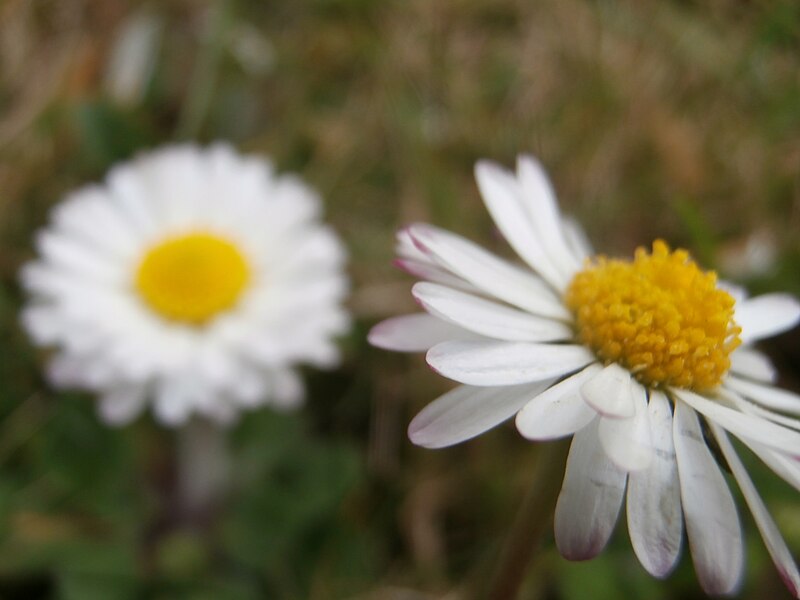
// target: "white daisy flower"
[[197, 279], [647, 362]]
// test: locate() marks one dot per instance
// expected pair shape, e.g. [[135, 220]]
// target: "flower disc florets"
[[660, 316], [192, 278]]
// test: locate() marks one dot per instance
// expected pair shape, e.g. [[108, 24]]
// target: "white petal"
[[171, 409], [539, 199], [558, 412], [610, 392], [576, 240], [317, 249], [750, 407], [432, 272], [769, 531], [87, 215], [712, 523], [738, 292], [43, 324], [406, 248], [488, 318], [122, 405], [67, 370], [415, 262], [488, 272], [786, 467], [287, 389], [413, 333], [765, 316], [627, 441], [250, 388], [753, 364], [505, 363], [743, 425], [467, 411], [502, 196], [129, 195], [766, 395], [590, 498], [73, 256], [655, 519]]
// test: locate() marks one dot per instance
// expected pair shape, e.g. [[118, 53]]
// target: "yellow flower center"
[[192, 278], [660, 316]]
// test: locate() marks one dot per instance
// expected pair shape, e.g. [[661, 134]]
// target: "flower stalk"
[[203, 469], [533, 520]]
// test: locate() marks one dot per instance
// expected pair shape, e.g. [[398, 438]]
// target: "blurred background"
[[677, 119]]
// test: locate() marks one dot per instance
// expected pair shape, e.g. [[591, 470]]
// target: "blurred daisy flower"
[[647, 362], [195, 279]]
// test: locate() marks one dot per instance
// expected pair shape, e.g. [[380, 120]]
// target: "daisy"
[[647, 362], [193, 279]]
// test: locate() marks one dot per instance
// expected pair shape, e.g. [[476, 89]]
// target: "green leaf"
[[108, 134]]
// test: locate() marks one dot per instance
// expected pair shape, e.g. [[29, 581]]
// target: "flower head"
[[197, 279], [642, 361]]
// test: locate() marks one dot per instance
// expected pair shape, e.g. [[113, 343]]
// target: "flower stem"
[[203, 469], [531, 522]]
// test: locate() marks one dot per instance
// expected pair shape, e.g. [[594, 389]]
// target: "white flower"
[[643, 361], [197, 279]]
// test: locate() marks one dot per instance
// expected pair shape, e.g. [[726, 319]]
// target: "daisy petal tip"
[[523, 426], [790, 581], [384, 336], [609, 393], [580, 553], [417, 292], [433, 357], [790, 306], [401, 264], [481, 167], [416, 231], [718, 585], [766, 316], [409, 267], [418, 239], [641, 462], [485, 169], [662, 567], [435, 369], [375, 337], [416, 433], [403, 236], [794, 304], [528, 161], [419, 435], [520, 421]]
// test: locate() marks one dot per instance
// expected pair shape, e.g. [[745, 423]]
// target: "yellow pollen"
[[192, 278], [660, 316]]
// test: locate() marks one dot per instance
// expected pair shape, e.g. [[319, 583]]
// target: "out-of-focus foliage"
[[673, 119]]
